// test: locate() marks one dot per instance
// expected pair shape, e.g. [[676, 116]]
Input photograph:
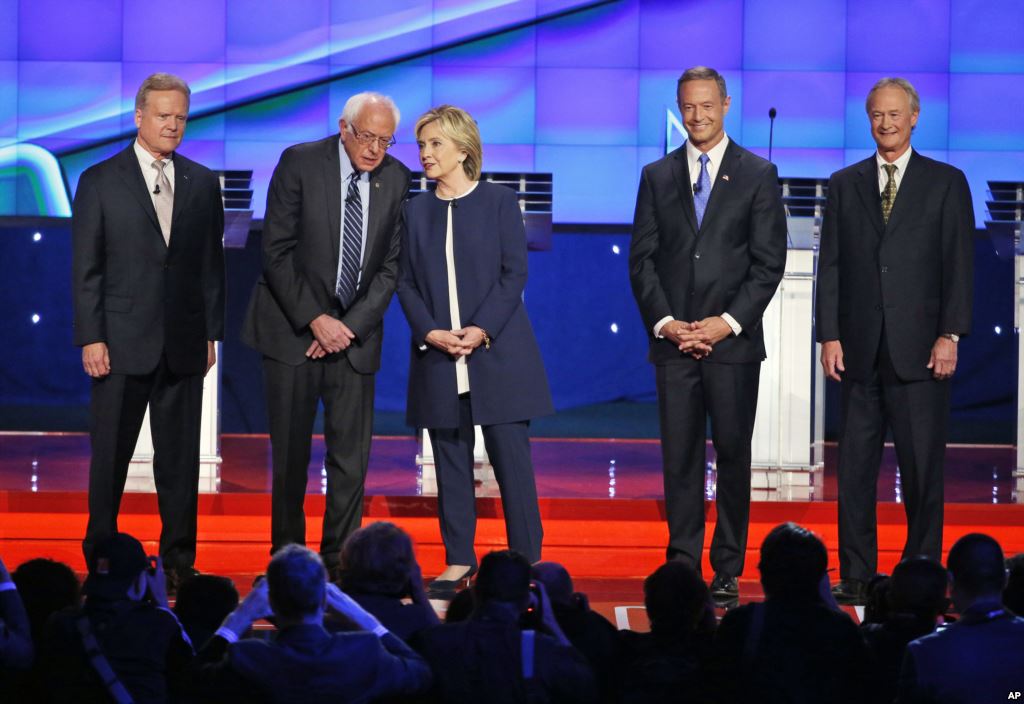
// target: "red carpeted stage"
[[600, 500]]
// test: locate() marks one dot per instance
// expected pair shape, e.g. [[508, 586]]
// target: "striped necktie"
[[351, 243]]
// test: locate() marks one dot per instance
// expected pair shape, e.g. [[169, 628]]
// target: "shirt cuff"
[[423, 348], [227, 634], [660, 324], [731, 321], [8, 587]]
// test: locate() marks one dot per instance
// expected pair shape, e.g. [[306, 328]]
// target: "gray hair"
[[915, 101], [161, 81], [703, 73], [355, 105], [297, 582]]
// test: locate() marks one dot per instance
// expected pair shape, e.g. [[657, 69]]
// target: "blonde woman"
[[474, 359]]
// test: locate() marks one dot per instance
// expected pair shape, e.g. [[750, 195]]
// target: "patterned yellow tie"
[[889, 192]]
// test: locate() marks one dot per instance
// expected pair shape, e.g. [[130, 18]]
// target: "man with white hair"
[[330, 260]]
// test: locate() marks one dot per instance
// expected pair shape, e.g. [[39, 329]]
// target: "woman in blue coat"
[[474, 359]]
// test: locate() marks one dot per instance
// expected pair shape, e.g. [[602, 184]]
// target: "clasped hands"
[[457, 343], [697, 338], [330, 335]]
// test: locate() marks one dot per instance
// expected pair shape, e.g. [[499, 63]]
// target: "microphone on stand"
[[772, 112]]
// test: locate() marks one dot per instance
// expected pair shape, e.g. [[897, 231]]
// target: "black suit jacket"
[[130, 290], [301, 241], [912, 275], [732, 264]]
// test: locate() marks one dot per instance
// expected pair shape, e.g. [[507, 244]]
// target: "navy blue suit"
[[507, 379]]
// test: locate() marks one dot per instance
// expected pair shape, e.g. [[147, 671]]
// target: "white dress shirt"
[[149, 174], [715, 156], [461, 368], [901, 168]]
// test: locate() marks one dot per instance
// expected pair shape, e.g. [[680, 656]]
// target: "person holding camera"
[[123, 644], [511, 649]]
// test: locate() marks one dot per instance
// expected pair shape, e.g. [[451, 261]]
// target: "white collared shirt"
[[715, 156], [901, 168], [149, 174]]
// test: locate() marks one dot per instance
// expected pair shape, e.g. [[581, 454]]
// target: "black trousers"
[[117, 407], [688, 393], [508, 447], [918, 414], [293, 394]]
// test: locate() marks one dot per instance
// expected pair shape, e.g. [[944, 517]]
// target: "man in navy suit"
[[148, 288], [894, 294], [708, 252]]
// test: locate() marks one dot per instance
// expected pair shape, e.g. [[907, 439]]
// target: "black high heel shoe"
[[448, 586]]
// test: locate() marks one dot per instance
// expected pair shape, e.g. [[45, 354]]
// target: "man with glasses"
[[330, 260]]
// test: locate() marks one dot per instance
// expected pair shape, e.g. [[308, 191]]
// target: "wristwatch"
[[951, 336]]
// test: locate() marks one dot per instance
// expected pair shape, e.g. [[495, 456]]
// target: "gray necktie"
[[163, 200]]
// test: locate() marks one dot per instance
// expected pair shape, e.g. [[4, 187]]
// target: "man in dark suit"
[[330, 260], [894, 296], [708, 252], [148, 288]]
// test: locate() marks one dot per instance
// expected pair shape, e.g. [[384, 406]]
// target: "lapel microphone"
[[696, 188], [156, 189]]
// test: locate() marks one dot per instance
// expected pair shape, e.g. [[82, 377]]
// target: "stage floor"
[[565, 468], [601, 504]]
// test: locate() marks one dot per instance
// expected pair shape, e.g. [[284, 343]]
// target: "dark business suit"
[[155, 306], [886, 291], [731, 264], [508, 385], [301, 242]]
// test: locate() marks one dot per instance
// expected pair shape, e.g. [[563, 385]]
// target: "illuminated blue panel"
[[586, 106], [983, 166], [261, 157], [196, 75], [810, 108], [75, 164], [408, 86], [194, 28], [208, 152], [794, 35], [455, 19], [254, 37], [9, 31], [58, 30], [805, 163], [370, 32], [614, 28], [502, 102], [8, 101], [591, 183], [985, 36], [997, 125], [676, 35], [53, 92], [932, 131], [298, 116], [897, 37], [507, 157], [517, 48]]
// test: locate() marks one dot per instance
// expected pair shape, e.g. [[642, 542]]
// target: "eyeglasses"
[[366, 138]]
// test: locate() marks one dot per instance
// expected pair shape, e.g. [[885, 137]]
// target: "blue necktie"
[[702, 190], [351, 243]]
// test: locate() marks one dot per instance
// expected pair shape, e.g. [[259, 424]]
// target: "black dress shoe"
[[850, 592], [724, 588], [176, 576], [445, 588]]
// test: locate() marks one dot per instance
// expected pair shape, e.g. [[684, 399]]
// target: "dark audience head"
[[918, 588], [297, 584], [46, 586], [978, 570], [115, 568], [1013, 594], [677, 600], [876, 608], [460, 608], [793, 563], [377, 559], [504, 576], [556, 580], [202, 604]]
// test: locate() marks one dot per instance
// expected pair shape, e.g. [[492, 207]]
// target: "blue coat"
[[507, 381]]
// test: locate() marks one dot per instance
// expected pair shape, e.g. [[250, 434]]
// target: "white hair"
[[355, 105]]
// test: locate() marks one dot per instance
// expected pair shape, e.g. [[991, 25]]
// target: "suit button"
[[885, 269], [878, 307], [696, 255]]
